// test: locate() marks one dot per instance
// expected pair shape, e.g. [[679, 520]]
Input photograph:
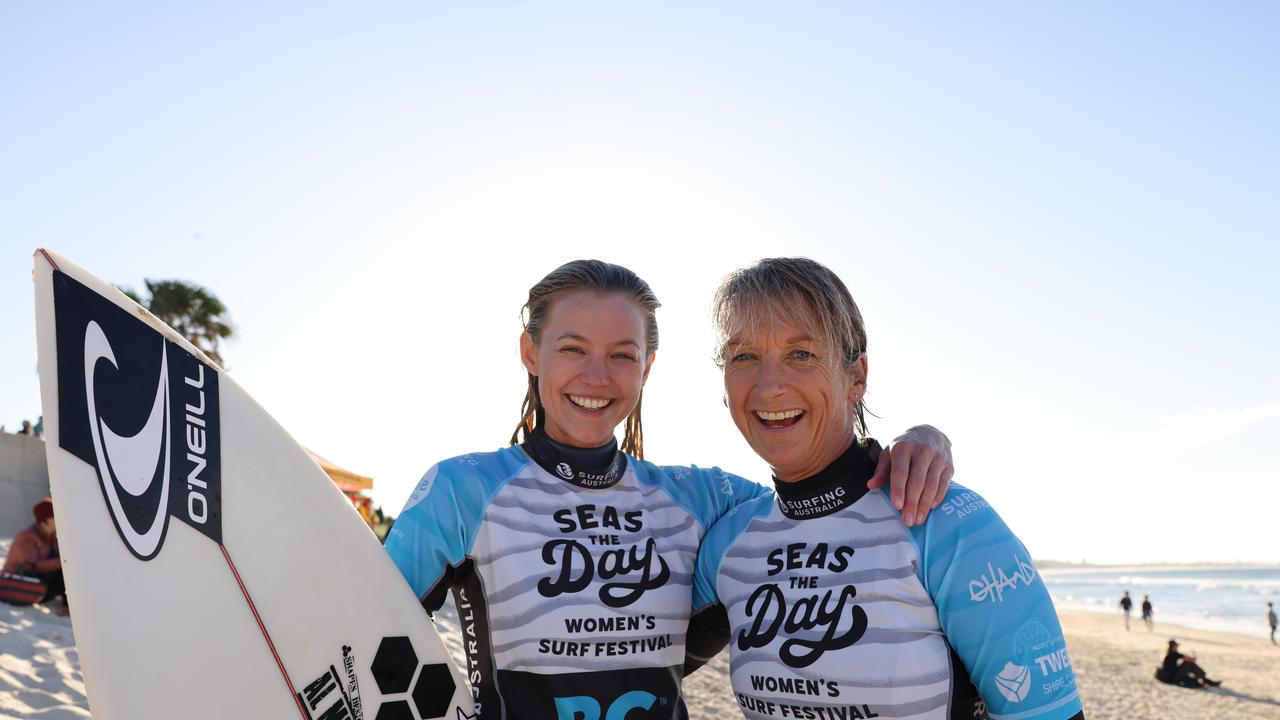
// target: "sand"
[[1115, 670], [39, 667], [40, 670]]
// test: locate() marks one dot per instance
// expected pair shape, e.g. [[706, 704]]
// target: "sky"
[[1059, 219]]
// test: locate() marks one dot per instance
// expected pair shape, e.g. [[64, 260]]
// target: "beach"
[[40, 673], [1115, 670], [39, 666]]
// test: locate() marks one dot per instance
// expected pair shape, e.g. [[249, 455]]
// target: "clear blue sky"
[[1061, 221]]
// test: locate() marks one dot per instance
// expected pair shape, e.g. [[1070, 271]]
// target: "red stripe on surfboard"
[[265, 635], [45, 253]]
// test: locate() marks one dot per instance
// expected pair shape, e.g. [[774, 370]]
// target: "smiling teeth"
[[588, 403], [783, 415]]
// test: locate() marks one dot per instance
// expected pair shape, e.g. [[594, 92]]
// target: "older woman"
[[836, 609]]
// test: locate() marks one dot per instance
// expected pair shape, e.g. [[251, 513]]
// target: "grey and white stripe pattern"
[[574, 631], [899, 667]]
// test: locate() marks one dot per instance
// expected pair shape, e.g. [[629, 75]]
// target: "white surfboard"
[[213, 570]]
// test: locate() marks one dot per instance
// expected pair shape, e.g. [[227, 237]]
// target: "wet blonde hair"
[[601, 278], [801, 292]]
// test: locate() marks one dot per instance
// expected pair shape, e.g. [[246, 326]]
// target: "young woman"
[[571, 561], [836, 610]]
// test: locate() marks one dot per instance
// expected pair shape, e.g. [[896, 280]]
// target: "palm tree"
[[197, 314]]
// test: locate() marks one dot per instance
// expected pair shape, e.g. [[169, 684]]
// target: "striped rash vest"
[[572, 573], [838, 611]]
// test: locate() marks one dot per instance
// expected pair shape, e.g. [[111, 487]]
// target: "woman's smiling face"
[[591, 365], [791, 397]]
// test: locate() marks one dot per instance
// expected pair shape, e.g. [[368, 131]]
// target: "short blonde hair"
[[797, 290]]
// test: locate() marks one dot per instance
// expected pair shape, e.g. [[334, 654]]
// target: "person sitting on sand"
[[34, 552], [1179, 669]]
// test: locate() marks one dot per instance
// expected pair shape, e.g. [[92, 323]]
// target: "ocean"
[[1210, 597]]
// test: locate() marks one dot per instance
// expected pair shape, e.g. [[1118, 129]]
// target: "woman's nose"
[[594, 371]]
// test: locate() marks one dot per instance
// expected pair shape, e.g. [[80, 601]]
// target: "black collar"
[[835, 487], [599, 467]]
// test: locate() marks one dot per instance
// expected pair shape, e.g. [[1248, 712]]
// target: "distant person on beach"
[[1146, 613], [34, 552], [1127, 606], [39, 428], [1271, 620], [26, 429], [1182, 670]]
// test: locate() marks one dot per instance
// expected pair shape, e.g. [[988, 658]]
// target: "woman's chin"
[[584, 437]]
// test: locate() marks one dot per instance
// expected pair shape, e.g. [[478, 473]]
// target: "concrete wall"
[[24, 479]]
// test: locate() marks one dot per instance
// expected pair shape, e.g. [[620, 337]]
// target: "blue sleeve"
[[717, 542], [707, 493], [744, 490], [995, 610], [435, 531], [704, 576]]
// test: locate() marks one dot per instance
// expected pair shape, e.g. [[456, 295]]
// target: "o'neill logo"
[[564, 471], [137, 464], [143, 412]]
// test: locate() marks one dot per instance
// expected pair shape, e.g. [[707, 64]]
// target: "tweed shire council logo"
[[1014, 682], [1014, 679]]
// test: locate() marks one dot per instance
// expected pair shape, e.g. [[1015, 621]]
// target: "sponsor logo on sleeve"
[[1014, 682], [962, 505], [1039, 657], [726, 483], [143, 412], [422, 488], [993, 584]]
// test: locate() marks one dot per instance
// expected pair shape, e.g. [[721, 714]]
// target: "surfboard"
[[213, 570]]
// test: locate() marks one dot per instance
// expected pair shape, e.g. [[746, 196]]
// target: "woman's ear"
[[648, 365], [858, 379], [529, 353]]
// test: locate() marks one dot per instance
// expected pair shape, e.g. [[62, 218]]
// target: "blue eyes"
[[804, 355], [574, 349]]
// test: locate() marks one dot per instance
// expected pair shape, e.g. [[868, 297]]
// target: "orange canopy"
[[347, 481]]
